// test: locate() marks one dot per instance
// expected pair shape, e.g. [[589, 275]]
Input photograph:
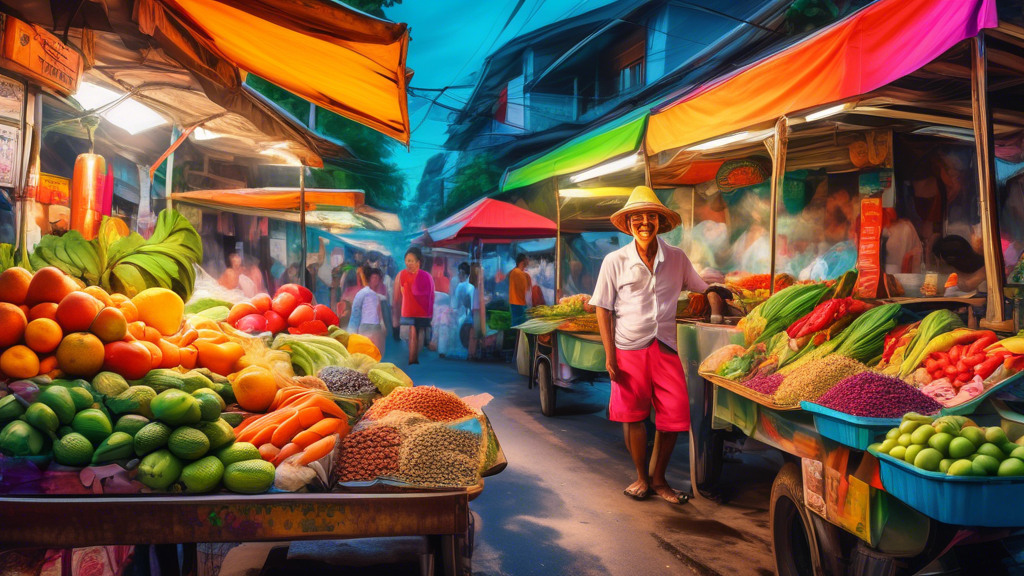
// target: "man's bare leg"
[[664, 443], [636, 441]]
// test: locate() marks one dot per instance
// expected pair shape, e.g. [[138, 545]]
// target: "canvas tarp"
[[876, 45], [490, 219], [605, 142]]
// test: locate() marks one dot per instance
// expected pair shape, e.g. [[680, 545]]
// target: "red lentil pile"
[[431, 402], [368, 453]]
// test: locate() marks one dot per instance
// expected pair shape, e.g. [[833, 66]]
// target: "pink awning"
[[876, 45]]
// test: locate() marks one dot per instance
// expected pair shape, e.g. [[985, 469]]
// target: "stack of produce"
[[291, 310], [953, 445], [124, 262], [863, 340], [300, 423], [781, 310], [572, 314], [815, 378], [874, 395], [935, 324]]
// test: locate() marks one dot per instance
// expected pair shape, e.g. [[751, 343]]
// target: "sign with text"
[[40, 55]]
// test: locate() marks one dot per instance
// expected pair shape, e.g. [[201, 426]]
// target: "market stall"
[[491, 232], [890, 174]]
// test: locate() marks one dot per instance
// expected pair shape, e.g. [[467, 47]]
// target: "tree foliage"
[[472, 180], [374, 7]]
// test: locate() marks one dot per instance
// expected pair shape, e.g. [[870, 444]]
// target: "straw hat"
[[643, 199]]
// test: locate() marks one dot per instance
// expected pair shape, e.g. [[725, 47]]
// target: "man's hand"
[[612, 366], [717, 307]]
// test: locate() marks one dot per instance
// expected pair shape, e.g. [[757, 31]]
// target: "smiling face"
[[411, 263], [644, 226]]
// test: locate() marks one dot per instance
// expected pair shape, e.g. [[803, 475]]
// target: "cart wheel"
[[795, 536], [547, 389]]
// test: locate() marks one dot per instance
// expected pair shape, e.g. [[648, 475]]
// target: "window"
[[631, 77]]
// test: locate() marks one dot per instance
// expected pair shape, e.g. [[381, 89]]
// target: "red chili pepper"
[[954, 354], [961, 367], [943, 362], [930, 364], [951, 370], [963, 377], [986, 368], [973, 360], [985, 338]]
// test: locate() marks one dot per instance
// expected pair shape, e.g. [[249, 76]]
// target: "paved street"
[[559, 509]]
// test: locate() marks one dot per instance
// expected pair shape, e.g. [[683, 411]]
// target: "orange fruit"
[[109, 325], [99, 294], [156, 354], [76, 312], [187, 356], [48, 365], [19, 362], [255, 389], [49, 285], [44, 310], [170, 353], [241, 310], [160, 308], [80, 354], [14, 285], [12, 325], [116, 298], [43, 335], [129, 359], [131, 313]]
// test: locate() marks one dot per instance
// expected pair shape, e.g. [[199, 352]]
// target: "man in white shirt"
[[635, 296]]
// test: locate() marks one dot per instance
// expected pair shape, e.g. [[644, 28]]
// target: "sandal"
[[639, 496], [683, 497]]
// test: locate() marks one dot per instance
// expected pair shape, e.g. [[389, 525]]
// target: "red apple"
[[275, 322], [284, 303], [252, 323], [301, 293], [302, 313], [325, 314]]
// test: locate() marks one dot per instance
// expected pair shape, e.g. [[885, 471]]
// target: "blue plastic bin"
[[853, 431], [960, 500]]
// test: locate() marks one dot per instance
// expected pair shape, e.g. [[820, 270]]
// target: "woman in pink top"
[[414, 300]]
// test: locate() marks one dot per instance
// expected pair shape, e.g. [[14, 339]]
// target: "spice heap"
[[346, 381], [438, 455], [766, 384], [810, 381], [874, 395], [433, 403], [368, 453]]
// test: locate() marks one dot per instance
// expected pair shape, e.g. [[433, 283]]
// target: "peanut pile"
[[369, 452], [441, 456], [433, 403], [811, 380]]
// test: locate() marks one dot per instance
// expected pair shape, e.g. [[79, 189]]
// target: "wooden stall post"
[[306, 280], [984, 142], [558, 242], [778, 151]]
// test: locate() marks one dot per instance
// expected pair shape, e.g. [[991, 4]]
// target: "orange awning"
[[875, 46], [334, 56], [274, 198]]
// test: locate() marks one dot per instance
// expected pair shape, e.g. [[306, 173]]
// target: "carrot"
[[325, 427], [285, 431], [264, 435], [245, 423], [286, 452], [307, 437], [318, 450], [268, 452], [266, 420], [310, 416], [343, 428], [326, 406], [285, 393]]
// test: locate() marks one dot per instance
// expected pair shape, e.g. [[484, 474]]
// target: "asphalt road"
[[558, 508]]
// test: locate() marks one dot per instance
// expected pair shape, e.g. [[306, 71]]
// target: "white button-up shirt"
[[644, 301]]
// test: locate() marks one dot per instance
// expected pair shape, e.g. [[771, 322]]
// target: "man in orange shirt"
[[518, 283]]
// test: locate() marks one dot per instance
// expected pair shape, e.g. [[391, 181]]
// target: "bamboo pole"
[[302, 226], [778, 151], [558, 242], [984, 142]]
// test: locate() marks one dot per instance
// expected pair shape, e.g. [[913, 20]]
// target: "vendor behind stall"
[[635, 296], [518, 283]]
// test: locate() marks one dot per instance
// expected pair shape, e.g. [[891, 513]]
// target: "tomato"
[[954, 354]]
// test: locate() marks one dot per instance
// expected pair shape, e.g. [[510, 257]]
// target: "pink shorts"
[[652, 373]]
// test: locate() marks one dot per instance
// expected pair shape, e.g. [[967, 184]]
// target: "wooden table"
[[72, 522]]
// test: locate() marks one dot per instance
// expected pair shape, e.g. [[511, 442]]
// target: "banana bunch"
[[311, 353], [71, 254], [122, 261]]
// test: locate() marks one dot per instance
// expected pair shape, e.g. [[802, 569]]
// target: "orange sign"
[[53, 189], [869, 249], [36, 53]]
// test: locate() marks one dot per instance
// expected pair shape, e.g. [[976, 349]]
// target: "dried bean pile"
[[438, 455], [369, 452], [346, 381], [810, 381], [873, 395], [435, 404], [766, 385]]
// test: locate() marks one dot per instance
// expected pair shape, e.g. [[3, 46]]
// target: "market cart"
[[70, 522], [782, 172]]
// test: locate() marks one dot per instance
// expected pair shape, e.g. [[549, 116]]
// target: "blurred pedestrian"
[[367, 313], [414, 301], [519, 283]]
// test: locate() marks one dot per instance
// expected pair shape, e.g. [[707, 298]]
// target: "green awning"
[[616, 138]]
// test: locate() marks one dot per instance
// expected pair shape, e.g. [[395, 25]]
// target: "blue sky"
[[450, 40]]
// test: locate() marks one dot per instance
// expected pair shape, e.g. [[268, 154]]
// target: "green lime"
[[961, 468], [922, 434], [891, 443], [912, 452], [945, 464], [908, 426], [985, 465], [996, 435], [989, 449], [898, 452], [961, 448], [892, 434], [1011, 467], [941, 442], [974, 434], [904, 440]]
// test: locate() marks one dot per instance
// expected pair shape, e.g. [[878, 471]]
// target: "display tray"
[[991, 501], [745, 392], [853, 431], [970, 406]]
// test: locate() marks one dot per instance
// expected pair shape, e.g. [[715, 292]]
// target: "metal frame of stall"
[[706, 449]]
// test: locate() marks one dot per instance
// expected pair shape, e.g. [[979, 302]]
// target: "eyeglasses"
[[641, 218]]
